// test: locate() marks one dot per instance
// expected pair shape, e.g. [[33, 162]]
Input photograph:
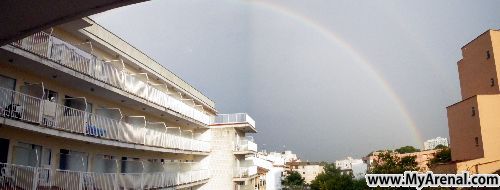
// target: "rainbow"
[[356, 55]]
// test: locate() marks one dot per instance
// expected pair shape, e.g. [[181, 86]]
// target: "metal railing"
[[26, 177], [70, 56], [245, 145], [19, 106], [232, 119]]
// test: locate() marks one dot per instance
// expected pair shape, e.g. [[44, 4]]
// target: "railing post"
[[49, 47], [142, 180], [115, 182], [35, 178], [144, 135], [85, 123], [80, 180], [41, 111], [56, 117]]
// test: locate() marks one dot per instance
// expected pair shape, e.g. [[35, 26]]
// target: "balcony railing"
[[245, 145], [88, 64], [232, 119], [242, 172], [25, 177], [48, 114]]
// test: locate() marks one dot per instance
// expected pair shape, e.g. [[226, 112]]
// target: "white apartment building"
[[280, 158], [432, 143], [82, 109], [356, 167], [308, 170]]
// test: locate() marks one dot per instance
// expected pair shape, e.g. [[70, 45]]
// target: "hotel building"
[[82, 109]]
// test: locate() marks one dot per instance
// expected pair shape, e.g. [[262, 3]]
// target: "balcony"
[[80, 61], [245, 147], [25, 177], [238, 120], [46, 114], [244, 173]]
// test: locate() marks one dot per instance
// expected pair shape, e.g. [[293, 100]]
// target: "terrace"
[[245, 146], [52, 116], [238, 120], [109, 72], [26, 177]]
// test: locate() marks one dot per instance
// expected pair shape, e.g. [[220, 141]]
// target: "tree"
[[294, 180], [407, 149], [442, 156], [332, 178], [440, 146], [388, 163]]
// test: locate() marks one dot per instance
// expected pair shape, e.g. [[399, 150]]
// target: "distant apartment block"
[[355, 167], [473, 122], [82, 109], [432, 143], [308, 170]]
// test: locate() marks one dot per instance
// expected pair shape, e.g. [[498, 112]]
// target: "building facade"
[[355, 167], [231, 159], [308, 170], [432, 143], [82, 109], [473, 122]]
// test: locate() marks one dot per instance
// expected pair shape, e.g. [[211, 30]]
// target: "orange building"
[[474, 122]]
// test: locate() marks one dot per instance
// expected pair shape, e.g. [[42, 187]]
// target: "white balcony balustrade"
[[245, 145], [243, 172], [32, 178], [232, 119], [18, 106], [86, 63]]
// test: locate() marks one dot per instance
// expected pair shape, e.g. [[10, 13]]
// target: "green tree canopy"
[[440, 146], [293, 181], [442, 156], [388, 163], [332, 178], [407, 149]]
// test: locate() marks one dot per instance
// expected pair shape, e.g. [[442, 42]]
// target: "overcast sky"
[[326, 79]]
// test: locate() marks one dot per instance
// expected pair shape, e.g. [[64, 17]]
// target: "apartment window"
[[31, 155], [7, 82], [476, 139], [130, 165], [492, 82], [473, 111], [4, 149], [73, 160], [488, 54], [6, 102], [104, 164], [50, 95]]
